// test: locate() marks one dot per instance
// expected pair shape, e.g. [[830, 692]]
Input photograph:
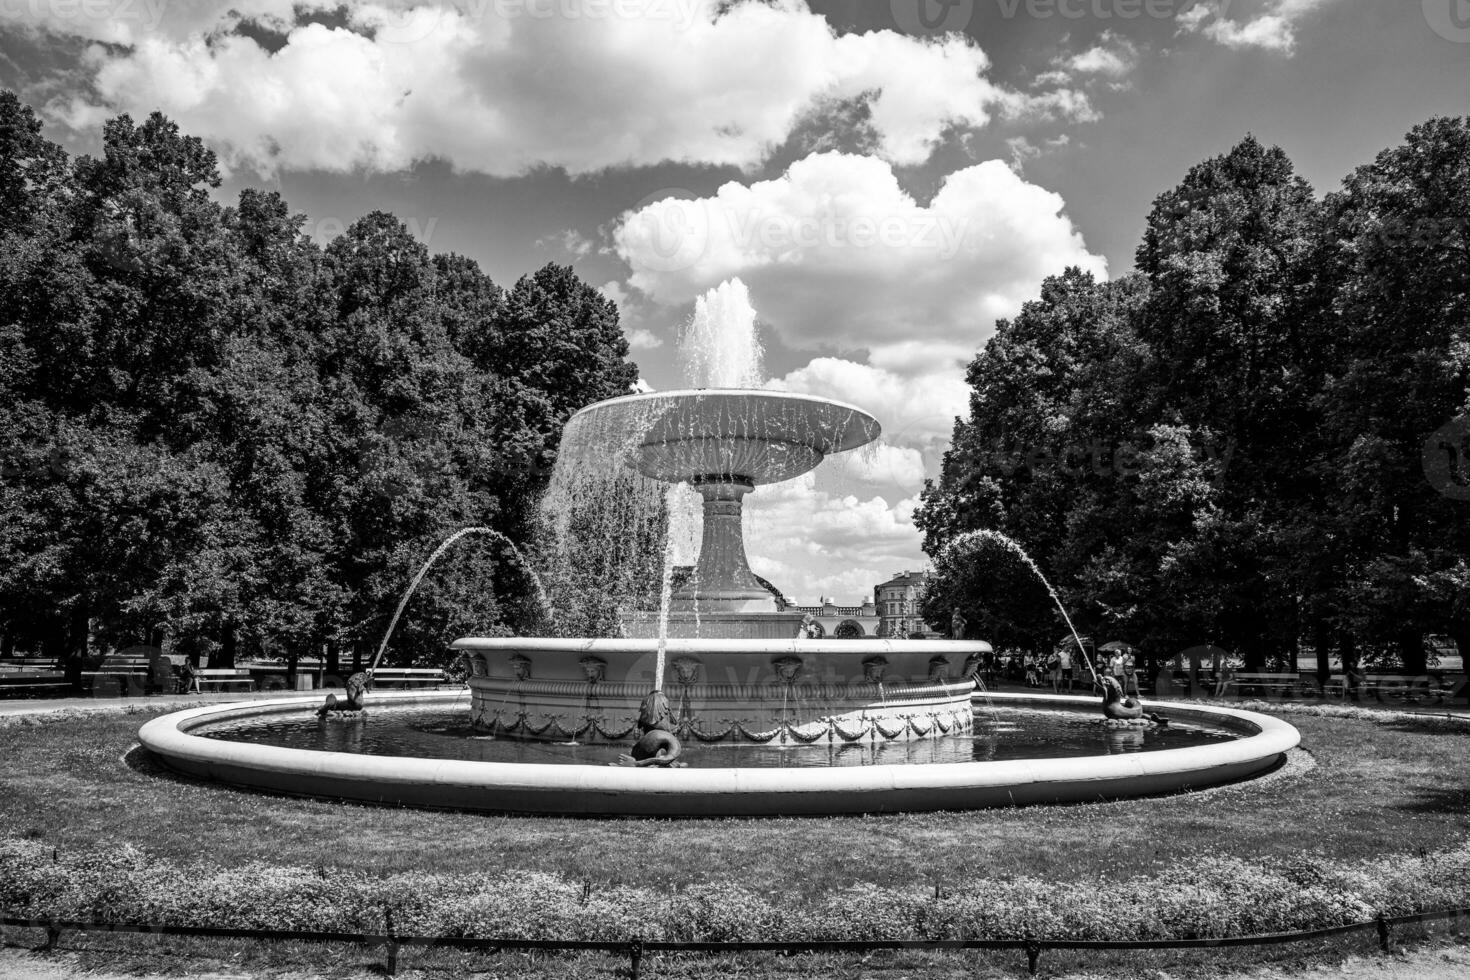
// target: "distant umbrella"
[[1118, 646]]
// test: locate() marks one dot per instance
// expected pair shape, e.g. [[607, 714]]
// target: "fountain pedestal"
[[722, 580], [722, 597]]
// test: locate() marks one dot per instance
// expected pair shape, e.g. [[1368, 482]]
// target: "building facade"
[[898, 605], [844, 622]]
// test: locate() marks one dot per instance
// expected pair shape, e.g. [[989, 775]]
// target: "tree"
[[1399, 240], [217, 430]]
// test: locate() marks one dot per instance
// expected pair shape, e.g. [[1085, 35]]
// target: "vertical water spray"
[[719, 347], [680, 503]]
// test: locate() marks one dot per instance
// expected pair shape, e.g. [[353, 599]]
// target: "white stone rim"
[[754, 647], [559, 788]]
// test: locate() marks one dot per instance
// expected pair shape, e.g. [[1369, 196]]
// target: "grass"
[[1394, 785], [1399, 784]]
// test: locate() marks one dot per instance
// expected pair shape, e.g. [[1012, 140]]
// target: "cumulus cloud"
[[1273, 27], [641, 339], [505, 86], [1023, 151], [1112, 57], [836, 254], [809, 541], [916, 408]]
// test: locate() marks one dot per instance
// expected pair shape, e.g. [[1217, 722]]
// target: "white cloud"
[[126, 22], [614, 291], [504, 86], [1273, 27], [836, 254], [810, 542], [1113, 57], [570, 241], [916, 408], [882, 464], [1023, 151], [641, 339]]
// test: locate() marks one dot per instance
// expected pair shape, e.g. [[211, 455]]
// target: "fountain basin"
[[760, 436], [751, 690], [608, 790]]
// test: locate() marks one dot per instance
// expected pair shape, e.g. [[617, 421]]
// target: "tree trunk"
[[334, 660], [228, 647], [7, 646], [1348, 652], [356, 658], [1322, 640], [1462, 644], [1412, 652], [80, 631], [293, 661]]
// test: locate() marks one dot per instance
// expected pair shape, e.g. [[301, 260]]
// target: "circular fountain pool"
[[1035, 749], [442, 732]]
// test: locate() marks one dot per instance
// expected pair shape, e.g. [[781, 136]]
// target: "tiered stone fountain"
[[739, 670]]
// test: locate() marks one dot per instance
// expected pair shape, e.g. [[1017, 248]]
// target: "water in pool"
[[444, 732]]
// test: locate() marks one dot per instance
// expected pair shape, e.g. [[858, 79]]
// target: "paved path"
[[12, 708]]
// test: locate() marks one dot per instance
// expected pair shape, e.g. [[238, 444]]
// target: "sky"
[[886, 178]]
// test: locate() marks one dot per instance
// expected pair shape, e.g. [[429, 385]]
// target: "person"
[[1221, 668], [1130, 673], [1065, 656], [1054, 667], [1032, 679], [956, 626], [191, 678]]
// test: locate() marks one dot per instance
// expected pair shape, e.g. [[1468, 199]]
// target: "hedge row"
[[1206, 897]]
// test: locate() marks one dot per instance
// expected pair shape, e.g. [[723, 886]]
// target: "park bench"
[[32, 683], [42, 663], [1408, 688], [115, 682], [225, 678], [1265, 685], [409, 677]]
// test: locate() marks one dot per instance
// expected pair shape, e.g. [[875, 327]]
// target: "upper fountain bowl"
[[725, 434]]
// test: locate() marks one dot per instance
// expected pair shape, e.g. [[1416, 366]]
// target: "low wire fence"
[[636, 949]]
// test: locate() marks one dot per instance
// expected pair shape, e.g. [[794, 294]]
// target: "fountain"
[[743, 680], [742, 664]]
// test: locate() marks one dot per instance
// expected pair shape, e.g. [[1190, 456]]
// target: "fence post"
[[1382, 932], [1033, 954], [635, 953], [392, 940]]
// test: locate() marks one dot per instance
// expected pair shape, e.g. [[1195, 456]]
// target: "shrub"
[[1206, 897]]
